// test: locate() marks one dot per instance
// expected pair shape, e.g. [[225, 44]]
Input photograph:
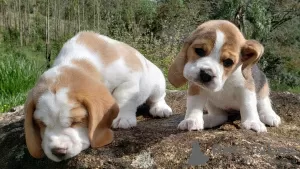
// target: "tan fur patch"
[[264, 91], [206, 42], [41, 125], [249, 83], [110, 52], [231, 49], [87, 67], [193, 90], [79, 117], [205, 35]]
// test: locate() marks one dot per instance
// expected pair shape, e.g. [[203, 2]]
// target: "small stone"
[[228, 127], [143, 160]]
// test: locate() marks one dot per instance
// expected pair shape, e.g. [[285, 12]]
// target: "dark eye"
[[227, 62], [200, 52]]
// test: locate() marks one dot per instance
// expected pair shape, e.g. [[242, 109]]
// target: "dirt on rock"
[[157, 143]]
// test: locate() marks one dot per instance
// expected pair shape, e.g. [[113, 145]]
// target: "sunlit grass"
[[18, 75]]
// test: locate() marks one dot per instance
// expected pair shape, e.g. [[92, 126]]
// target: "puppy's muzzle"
[[206, 75], [59, 152]]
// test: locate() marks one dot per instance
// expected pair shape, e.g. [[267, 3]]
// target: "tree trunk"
[[78, 16], [20, 24], [48, 47]]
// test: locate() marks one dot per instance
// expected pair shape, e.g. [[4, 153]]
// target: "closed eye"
[[78, 121], [40, 123], [200, 52]]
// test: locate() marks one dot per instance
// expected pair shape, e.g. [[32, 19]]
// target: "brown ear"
[[250, 54], [32, 132], [102, 110], [175, 74]]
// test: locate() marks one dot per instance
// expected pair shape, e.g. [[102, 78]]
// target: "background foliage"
[[33, 31]]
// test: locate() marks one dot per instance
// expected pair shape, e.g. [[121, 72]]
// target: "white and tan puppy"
[[219, 65], [95, 83]]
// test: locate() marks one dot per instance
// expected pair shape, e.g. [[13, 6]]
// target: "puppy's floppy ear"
[[102, 110], [175, 74], [32, 131], [251, 52]]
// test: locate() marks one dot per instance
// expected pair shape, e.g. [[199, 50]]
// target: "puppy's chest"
[[227, 99]]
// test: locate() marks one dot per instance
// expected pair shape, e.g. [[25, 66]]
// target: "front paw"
[[191, 124], [255, 125], [124, 122], [160, 110], [270, 119]]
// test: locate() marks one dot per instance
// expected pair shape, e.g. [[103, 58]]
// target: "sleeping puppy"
[[95, 83], [220, 67]]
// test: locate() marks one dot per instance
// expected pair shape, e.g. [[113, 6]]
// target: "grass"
[[283, 87], [20, 68], [18, 75]]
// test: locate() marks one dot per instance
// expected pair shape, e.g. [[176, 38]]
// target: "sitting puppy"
[[219, 64], [74, 104]]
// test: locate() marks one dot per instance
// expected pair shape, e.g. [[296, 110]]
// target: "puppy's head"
[[212, 53], [67, 115]]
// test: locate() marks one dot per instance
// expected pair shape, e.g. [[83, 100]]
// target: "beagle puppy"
[[95, 83], [220, 67]]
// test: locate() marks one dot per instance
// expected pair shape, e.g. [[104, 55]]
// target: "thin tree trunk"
[[55, 19], [28, 22], [20, 24], [98, 15], [78, 16], [48, 50], [58, 21], [83, 19], [95, 7], [14, 16]]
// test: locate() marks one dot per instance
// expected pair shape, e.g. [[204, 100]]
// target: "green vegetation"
[[33, 31], [18, 74]]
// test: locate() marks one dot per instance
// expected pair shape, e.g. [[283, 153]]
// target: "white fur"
[[192, 69], [232, 96], [194, 114], [220, 95], [53, 110], [266, 113], [129, 87]]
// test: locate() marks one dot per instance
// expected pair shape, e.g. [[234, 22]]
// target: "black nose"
[[206, 75], [59, 152]]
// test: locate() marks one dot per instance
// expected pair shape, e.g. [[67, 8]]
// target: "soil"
[[157, 143]]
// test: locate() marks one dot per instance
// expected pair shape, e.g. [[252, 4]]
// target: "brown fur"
[[194, 89], [94, 96], [264, 91], [249, 84], [88, 93], [250, 54], [87, 67], [79, 117], [108, 53], [32, 131], [236, 47]]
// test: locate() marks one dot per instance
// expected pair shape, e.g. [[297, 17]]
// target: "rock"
[[156, 143]]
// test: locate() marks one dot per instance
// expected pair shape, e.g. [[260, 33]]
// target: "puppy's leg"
[[265, 111], [193, 119], [158, 105], [248, 110], [215, 116], [126, 96]]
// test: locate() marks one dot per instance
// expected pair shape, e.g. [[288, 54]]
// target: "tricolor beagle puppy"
[[220, 67], [95, 83]]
